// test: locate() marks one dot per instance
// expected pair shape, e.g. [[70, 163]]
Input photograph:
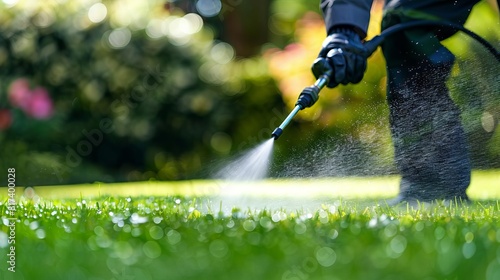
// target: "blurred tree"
[[242, 24]]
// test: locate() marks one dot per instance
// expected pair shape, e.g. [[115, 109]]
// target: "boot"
[[429, 141]]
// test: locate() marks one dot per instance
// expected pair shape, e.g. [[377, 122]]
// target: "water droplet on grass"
[[300, 228], [218, 248], [151, 249], [254, 238], [218, 228], [326, 256], [419, 226], [156, 232], [123, 249], [40, 233], [92, 244], [265, 222], [99, 231], [173, 237], [118, 218], [33, 225], [137, 219], [469, 237], [468, 250], [127, 228], [249, 225], [439, 233], [390, 230], [323, 217], [275, 217], [4, 240], [398, 244], [493, 270], [333, 234], [136, 232]]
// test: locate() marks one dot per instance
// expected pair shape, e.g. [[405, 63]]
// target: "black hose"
[[377, 40]]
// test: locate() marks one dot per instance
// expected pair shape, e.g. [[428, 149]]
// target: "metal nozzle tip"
[[277, 133]]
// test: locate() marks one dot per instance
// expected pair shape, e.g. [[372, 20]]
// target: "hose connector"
[[372, 45], [308, 96]]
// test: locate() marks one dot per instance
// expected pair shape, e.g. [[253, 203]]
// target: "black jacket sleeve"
[[355, 13]]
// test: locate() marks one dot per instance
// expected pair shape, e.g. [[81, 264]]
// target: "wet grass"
[[277, 229], [174, 236]]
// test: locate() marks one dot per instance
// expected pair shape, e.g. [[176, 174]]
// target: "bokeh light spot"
[[222, 53], [326, 256], [156, 232], [300, 228], [154, 28], [3, 239], [488, 121], [249, 225], [195, 23], [218, 248], [151, 249], [208, 8], [10, 3], [123, 249], [468, 250], [221, 142], [173, 237], [40, 233], [119, 38], [44, 18], [97, 12], [398, 244]]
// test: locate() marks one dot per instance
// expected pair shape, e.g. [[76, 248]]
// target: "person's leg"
[[430, 144]]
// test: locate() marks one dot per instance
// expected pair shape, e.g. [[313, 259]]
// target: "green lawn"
[[276, 229]]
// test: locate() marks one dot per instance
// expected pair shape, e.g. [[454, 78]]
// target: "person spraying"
[[430, 144]]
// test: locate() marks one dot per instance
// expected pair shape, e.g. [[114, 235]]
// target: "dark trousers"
[[430, 144]]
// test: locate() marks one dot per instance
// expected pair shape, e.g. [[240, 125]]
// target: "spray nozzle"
[[277, 133]]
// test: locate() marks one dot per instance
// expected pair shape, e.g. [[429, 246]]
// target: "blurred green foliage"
[[139, 90], [140, 93]]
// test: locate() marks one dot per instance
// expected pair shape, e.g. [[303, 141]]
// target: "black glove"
[[344, 55]]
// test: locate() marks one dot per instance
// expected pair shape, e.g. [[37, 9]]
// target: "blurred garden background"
[[122, 90]]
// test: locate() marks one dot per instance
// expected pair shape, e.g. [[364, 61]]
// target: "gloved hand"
[[344, 55]]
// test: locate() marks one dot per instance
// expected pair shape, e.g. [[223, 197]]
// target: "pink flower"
[[35, 103], [40, 104], [5, 119], [20, 93]]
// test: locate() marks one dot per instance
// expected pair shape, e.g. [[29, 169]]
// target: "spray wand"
[[310, 94]]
